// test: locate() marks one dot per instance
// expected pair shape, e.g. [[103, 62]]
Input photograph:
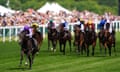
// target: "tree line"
[[97, 6]]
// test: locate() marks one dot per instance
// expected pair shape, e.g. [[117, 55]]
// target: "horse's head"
[[61, 27], [76, 30]]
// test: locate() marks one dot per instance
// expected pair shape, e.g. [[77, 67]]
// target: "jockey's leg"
[[34, 42]]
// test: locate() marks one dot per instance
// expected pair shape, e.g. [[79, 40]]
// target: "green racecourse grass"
[[48, 61]]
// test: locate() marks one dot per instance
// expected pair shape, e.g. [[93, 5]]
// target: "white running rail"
[[10, 32]]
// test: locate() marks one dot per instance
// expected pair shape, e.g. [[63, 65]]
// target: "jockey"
[[34, 27], [27, 29], [31, 29], [108, 26], [51, 24], [102, 23], [81, 24], [90, 24], [65, 24], [30, 33]]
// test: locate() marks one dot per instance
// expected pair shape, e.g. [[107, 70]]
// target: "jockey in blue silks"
[[102, 23], [66, 26]]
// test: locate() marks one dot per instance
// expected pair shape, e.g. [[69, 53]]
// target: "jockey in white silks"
[[81, 24], [108, 22], [110, 27]]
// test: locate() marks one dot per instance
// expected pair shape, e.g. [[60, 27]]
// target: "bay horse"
[[64, 36], [79, 39], [107, 40], [52, 37], [27, 46], [38, 36], [90, 39], [101, 39]]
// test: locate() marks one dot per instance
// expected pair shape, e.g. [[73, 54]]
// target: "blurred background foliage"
[[97, 6]]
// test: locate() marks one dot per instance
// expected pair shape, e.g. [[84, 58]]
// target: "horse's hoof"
[[51, 49], [37, 53], [26, 64]]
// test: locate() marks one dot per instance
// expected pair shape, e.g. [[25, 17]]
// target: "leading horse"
[[27, 46]]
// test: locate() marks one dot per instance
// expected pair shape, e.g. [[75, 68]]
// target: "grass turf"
[[48, 61]]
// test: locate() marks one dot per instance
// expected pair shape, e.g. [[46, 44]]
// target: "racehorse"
[[27, 46], [101, 39], [79, 39], [64, 36], [52, 37], [39, 38], [90, 39], [107, 39]]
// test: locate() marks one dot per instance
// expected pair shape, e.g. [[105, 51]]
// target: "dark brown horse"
[[79, 39], [52, 37], [27, 46], [64, 36], [107, 40], [90, 39]]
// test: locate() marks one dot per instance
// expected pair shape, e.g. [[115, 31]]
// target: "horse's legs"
[[33, 56], [87, 50], [109, 51], [48, 44], [105, 46], [93, 48], [64, 48], [100, 45], [114, 48], [30, 61], [21, 57], [82, 48], [60, 44], [54, 45], [70, 45], [78, 48]]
